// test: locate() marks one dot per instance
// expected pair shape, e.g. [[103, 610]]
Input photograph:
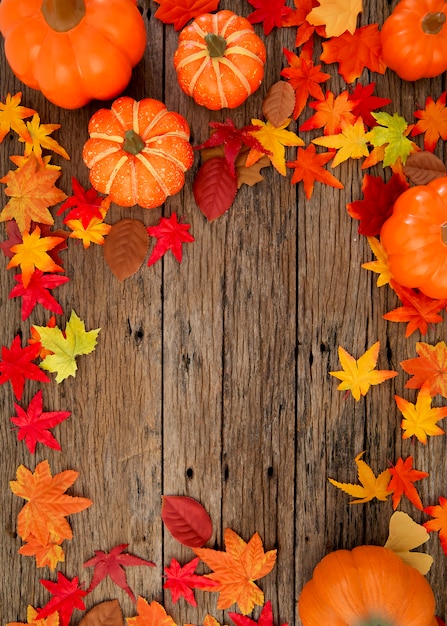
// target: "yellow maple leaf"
[[150, 614], [370, 487], [380, 266], [21, 159], [12, 116], [39, 138], [337, 16], [32, 618], [32, 253], [95, 230], [236, 569], [404, 535], [274, 139], [350, 143], [420, 419], [358, 375]]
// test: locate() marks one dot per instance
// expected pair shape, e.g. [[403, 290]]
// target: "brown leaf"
[[125, 247], [250, 175], [279, 103], [423, 166], [214, 187], [104, 614]]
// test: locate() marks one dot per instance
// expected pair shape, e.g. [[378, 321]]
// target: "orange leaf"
[[432, 122], [179, 12], [337, 16], [308, 167], [32, 617], [420, 419], [439, 512], [106, 613], [279, 103], [403, 476], [330, 112], [32, 254], [125, 247], [305, 78], [429, 366], [370, 486], [150, 614]]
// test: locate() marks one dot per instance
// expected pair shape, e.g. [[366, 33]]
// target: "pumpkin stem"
[[133, 142], [444, 233], [432, 23], [63, 15], [216, 45]]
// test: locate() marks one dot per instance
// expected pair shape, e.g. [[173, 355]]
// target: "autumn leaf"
[[107, 613], [265, 617], [403, 475], [250, 175], [336, 16], [330, 112], [269, 12], [84, 204], [181, 580], [298, 17], [432, 122], [180, 12], [430, 365], [391, 133], [38, 292], [420, 419], [12, 115], [405, 535], [125, 247], [380, 265], [350, 143], [274, 141], [371, 486], [305, 78], [13, 236], [187, 520], [16, 366], [422, 167], [236, 569], [35, 338], [33, 424], [214, 187], [308, 167], [112, 564], [439, 523], [170, 234], [67, 596], [32, 618], [278, 103], [150, 614], [40, 138], [358, 375], [364, 102], [95, 230]]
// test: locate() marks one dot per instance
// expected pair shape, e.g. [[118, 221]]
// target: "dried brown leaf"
[[104, 614], [423, 166], [125, 247], [250, 175], [279, 103]]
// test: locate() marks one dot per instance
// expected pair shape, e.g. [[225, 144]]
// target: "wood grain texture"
[[211, 377]]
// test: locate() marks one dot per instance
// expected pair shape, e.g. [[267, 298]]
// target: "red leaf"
[[305, 78], [179, 12], [14, 237], [38, 292], [364, 102], [16, 366], [187, 520], [83, 204], [265, 617], [214, 188], [269, 12], [182, 580], [401, 483], [171, 234], [67, 597]]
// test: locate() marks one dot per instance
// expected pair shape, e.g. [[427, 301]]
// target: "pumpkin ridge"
[[194, 56], [222, 97], [240, 33], [154, 121], [199, 30], [165, 155], [114, 173], [150, 168], [236, 71], [227, 24], [196, 76], [102, 155], [106, 137], [243, 52]]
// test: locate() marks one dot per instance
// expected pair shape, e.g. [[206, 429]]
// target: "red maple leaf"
[[45, 231], [439, 512], [34, 424], [265, 617], [83, 204], [16, 366], [298, 17], [67, 597], [305, 78], [308, 167], [429, 366], [364, 102], [179, 12], [182, 580], [170, 234], [37, 292], [112, 564], [401, 483], [377, 203], [269, 12]]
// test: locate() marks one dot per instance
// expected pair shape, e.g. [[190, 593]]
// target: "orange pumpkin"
[[73, 50], [219, 60], [138, 152], [367, 586]]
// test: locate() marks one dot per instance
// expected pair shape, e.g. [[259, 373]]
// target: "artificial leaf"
[[274, 140], [150, 614], [358, 375], [380, 265], [107, 613], [336, 16], [432, 122], [350, 143], [305, 78], [354, 52], [439, 523], [32, 254], [279, 103], [402, 478], [34, 424], [330, 112], [418, 310], [112, 564], [364, 102], [269, 12], [308, 167], [181, 580], [16, 366], [35, 338], [377, 203], [125, 247], [40, 138], [298, 17], [422, 167], [187, 520], [214, 187], [83, 204], [180, 12], [46, 231], [32, 618], [66, 346], [67, 596], [404, 535], [390, 132], [249, 175], [14, 236], [236, 569], [38, 292], [12, 115], [43, 516], [430, 365], [420, 419], [48, 555], [371, 486], [171, 235], [95, 230], [265, 617]]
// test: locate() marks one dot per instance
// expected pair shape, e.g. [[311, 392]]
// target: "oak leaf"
[[12, 115], [67, 596], [274, 141], [40, 138], [336, 16], [391, 132], [330, 112], [250, 175], [16, 366], [278, 103], [403, 475], [305, 78], [38, 292], [350, 143], [439, 523], [405, 535], [432, 122], [422, 167], [179, 12], [107, 613], [420, 419], [429, 366], [150, 614], [125, 247], [371, 486], [32, 254], [380, 265], [181, 580], [308, 167], [187, 520], [171, 235], [32, 618]]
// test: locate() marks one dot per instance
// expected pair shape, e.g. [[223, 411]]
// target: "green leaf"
[[390, 132]]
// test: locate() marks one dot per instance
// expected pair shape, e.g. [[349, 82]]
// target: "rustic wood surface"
[[210, 378]]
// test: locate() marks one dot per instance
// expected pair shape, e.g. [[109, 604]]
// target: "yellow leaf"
[[370, 487], [380, 266], [31, 616], [32, 253], [351, 143], [337, 16], [404, 535], [39, 138], [12, 116], [274, 139], [420, 419]]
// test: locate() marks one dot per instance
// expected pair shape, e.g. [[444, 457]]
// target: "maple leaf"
[[351, 142], [308, 167], [236, 569], [330, 113], [150, 613], [48, 555], [179, 12], [269, 12], [38, 292], [364, 102], [67, 596], [380, 266], [358, 375], [32, 191], [418, 309], [83, 204], [181, 580], [405, 535], [43, 516], [170, 234], [274, 140], [16, 365], [377, 203], [112, 564], [402, 478], [354, 52], [432, 122], [34, 424], [305, 78], [390, 132], [420, 419], [371, 486], [32, 618], [14, 236], [430, 365], [439, 523], [94, 233], [265, 617], [39, 138], [12, 115], [336, 16], [66, 346], [35, 338], [298, 17]]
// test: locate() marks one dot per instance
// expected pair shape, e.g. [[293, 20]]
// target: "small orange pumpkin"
[[138, 152], [219, 60], [367, 586]]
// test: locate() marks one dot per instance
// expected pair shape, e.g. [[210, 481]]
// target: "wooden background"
[[210, 378]]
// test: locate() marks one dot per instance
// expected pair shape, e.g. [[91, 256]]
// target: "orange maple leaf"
[[420, 418], [330, 112], [430, 365], [305, 78], [12, 116], [179, 12], [32, 617], [402, 478], [152, 613], [308, 167], [48, 555], [236, 569], [371, 486], [439, 512], [298, 17], [432, 122], [32, 253]]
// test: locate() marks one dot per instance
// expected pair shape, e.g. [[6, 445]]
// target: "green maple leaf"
[[391, 132], [66, 346]]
